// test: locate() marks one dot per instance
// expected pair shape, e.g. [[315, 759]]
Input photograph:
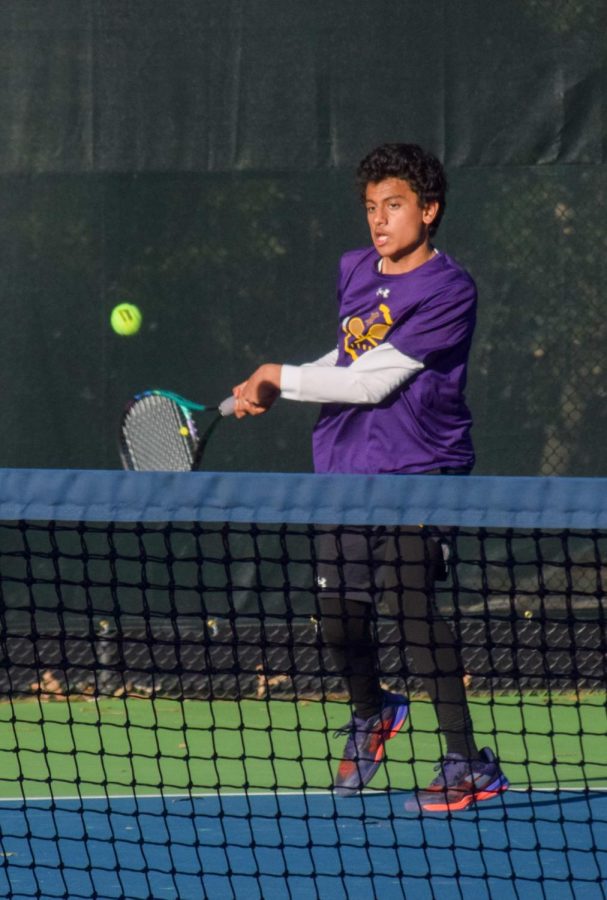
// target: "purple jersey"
[[428, 314]]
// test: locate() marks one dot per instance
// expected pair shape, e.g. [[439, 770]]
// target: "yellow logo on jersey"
[[364, 334]]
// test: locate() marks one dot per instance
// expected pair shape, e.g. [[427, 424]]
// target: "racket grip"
[[226, 407]]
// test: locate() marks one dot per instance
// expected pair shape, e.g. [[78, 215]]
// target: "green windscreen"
[[197, 160]]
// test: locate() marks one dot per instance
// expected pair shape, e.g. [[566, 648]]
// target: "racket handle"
[[226, 407]]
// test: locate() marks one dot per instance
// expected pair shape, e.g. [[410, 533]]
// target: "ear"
[[430, 212]]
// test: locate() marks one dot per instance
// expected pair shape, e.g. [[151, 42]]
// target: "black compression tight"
[[431, 647]]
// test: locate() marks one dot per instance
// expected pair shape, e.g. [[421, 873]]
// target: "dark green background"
[[197, 159]]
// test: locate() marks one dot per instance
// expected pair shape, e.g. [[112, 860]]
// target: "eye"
[[394, 205], [370, 209]]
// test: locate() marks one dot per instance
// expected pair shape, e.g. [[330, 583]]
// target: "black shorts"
[[365, 563]]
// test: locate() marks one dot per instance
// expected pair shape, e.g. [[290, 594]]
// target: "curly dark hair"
[[422, 171]]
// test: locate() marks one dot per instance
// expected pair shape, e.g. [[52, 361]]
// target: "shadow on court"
[[304, 846]]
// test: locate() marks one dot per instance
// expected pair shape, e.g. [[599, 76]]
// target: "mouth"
[[381, 239]]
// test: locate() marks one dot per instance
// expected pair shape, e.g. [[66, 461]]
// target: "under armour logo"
[[382, 292]]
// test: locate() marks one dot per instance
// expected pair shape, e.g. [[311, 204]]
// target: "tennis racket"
[[158, 432]]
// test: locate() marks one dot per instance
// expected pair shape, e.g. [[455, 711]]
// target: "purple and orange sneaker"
[[459, 783], [364, 748]]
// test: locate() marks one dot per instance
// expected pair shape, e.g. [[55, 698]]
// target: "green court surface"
[[81, 747]]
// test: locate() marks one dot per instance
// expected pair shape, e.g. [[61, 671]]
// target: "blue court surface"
[[304, 846]]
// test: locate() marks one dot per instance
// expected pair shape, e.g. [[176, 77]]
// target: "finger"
[[255, 409], [239, 388], [240, 407]]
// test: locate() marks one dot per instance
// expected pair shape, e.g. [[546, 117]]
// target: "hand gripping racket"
[[158, 432]]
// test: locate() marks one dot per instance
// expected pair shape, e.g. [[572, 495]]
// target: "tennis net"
[[168, 706]]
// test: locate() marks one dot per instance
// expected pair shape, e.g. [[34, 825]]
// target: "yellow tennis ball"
[[126, 319]]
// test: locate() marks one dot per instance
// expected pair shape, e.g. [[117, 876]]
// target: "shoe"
[[459, 783], [364, 748]]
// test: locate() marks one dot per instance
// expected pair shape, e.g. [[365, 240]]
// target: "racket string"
[[159, 436]]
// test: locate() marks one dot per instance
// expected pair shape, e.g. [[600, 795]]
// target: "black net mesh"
[[173, 720]]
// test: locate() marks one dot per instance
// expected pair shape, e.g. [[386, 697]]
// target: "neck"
[[399, 266]]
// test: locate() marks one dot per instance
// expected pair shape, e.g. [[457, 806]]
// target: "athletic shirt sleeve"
[[440, 322]]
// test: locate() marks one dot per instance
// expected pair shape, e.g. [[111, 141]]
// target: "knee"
[[333, 621], [343, 622]]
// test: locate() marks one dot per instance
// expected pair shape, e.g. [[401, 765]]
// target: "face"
[[399, 225]]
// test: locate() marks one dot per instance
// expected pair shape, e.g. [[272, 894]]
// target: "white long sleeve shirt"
[[370, 378]]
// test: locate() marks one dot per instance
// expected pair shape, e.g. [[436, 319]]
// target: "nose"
[[379, 216]]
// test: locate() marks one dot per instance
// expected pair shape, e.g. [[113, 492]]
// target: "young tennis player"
[[393, 395]]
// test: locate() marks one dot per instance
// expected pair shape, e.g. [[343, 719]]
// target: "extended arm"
[[369, 379]]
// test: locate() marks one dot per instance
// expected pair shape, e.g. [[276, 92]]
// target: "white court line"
[[283, 793]]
